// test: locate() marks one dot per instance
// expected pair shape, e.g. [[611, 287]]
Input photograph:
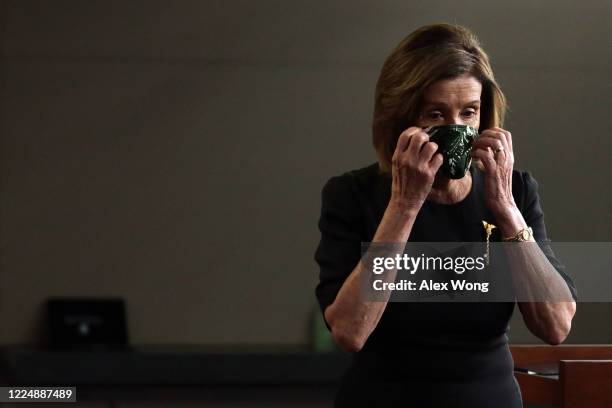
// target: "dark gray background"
[[173, 152]]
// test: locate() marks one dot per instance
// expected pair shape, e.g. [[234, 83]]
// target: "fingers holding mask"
[[403, 142], [428, 150], [413, 148], [487, 158], [404, 138], [415, 163], [416, 145], [494, 148], [505, 136], [494, 140]]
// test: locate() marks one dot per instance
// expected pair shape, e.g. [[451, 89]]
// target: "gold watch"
[[523, 235]]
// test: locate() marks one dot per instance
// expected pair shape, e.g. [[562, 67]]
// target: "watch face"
[[525, 234]]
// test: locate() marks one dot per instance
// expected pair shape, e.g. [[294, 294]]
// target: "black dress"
[[423, 354]]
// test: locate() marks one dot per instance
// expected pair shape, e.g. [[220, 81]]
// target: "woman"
[[434, 354]]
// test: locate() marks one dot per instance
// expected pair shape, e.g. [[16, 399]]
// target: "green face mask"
[[455, 144]]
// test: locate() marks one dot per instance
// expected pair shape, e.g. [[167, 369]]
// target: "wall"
[[173, 152]]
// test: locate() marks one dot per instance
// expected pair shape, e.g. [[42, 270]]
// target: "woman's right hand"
[[351, 317], [414, 167]]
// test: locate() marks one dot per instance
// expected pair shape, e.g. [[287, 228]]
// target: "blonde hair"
[[429, 54]]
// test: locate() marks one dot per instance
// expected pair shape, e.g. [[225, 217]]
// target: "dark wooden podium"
[[582, 375]]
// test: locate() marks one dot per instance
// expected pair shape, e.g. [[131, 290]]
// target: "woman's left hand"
[[494, 149]]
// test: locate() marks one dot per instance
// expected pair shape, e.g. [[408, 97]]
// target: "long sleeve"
[[532, 211], [339, 249]]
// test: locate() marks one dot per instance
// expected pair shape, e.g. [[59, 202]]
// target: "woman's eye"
[[435, 115], [469, 113]]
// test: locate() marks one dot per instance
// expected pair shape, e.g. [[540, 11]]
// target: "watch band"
[[523, 235]]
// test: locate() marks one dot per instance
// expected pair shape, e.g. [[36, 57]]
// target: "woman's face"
[[452, 101]]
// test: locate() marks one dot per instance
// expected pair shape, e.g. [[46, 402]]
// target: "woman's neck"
[[449, 191]]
